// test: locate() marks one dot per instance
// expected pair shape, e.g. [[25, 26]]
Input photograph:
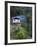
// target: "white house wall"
[[16, 21]]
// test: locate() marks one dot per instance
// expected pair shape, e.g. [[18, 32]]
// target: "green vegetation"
[[21, 33], [21, 11]]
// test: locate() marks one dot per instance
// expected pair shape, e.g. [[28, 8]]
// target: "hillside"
[[19, 32]]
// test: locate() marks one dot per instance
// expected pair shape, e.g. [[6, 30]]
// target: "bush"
[[21, 33]]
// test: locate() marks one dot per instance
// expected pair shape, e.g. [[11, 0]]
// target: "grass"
[[20, 33]]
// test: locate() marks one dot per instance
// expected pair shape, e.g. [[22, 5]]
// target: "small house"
[[16, 20]]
